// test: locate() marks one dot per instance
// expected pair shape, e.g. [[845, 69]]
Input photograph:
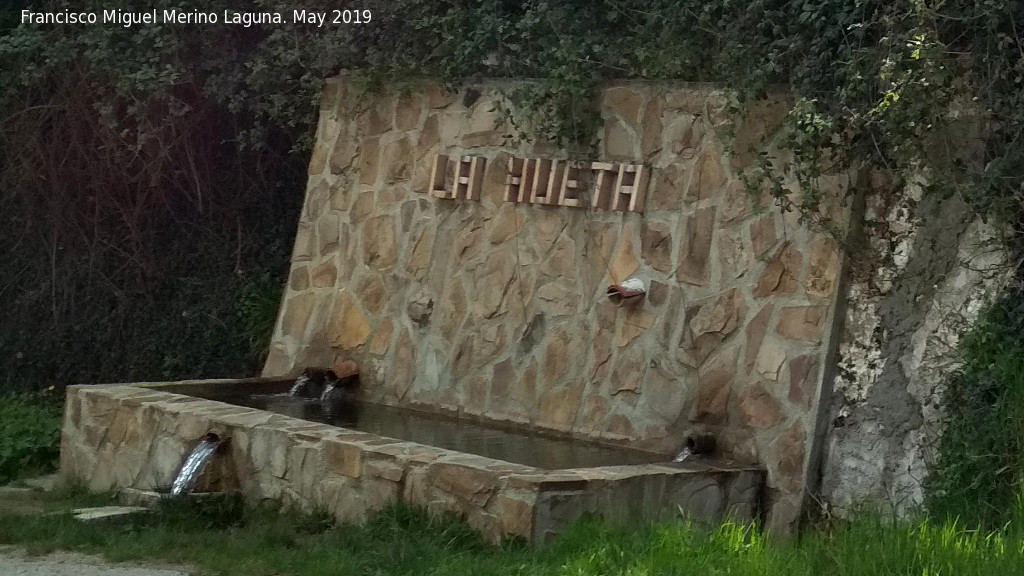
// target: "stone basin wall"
[[125, 436], [497, 309]]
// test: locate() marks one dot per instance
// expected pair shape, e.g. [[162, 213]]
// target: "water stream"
[[683, 455], [194, 464]]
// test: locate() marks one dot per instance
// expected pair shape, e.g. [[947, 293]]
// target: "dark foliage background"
[[150, 177]]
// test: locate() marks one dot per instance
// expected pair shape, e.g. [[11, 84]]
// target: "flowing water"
[[683, 455], [194, 464]]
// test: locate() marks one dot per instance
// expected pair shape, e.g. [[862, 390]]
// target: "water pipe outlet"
[[703, 444], [629, 292]]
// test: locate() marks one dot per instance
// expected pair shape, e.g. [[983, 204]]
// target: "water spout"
[[701, 445], [300, 386], [193, 466]]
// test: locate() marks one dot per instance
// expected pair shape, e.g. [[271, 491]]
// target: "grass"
[[231, 539]]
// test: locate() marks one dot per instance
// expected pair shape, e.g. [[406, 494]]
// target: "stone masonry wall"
[[494, 309]]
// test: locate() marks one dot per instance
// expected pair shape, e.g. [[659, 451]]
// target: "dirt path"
[[15, 563]]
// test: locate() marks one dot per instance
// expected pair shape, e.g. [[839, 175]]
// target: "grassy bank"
[[233, 540]]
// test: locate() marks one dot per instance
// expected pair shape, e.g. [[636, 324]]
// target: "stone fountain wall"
[[497, 309]]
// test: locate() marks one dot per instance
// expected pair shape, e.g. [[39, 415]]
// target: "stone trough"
[[136, 436]]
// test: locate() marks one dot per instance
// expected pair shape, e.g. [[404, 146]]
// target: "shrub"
[[980, 465], [29, 435]]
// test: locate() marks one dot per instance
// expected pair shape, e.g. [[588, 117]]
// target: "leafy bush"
[[29, 436], [979, 471]]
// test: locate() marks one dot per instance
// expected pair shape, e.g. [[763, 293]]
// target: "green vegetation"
[[979, 475], [29, 436], [151, 177], [148, 174], [229, 539]]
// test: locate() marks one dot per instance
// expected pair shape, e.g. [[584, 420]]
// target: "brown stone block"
[[656, 246], [344, 152], [733, 256], [503, 375], [714, 388], [377, 118], [802, 323], [736, 203], [557, 300], [419, 259], [708, 325], [372, 294], [803, 378], [669, 188], [279, 361], [759, 408], [683, 135], [634, 324], [650, 140], [318, 197], [492, 341], [756, 330], [408, 111], [298, 309], [438, 96], [628, 376], [624, 263], [349, 329], [524, 391], [453, 310], [403, 367], [325, 275], [770, 359], [708, 177], [786, 460], [470, 485], [665, 394], [493, 282], [618, 141], [493, 194], [556, 358], [781, 275], [382, 337], [398, 161], [298, 280], [463, 361], [485, 138], [558, 406], [823, 267], [318, 160], [516, 516], [594, 413], [619, 426], [380, 247], [467, 242], [625, 102], [762, 234], [507, 224], [429, 138], [362, 207], [327, 231], [342, 458], [602, 352], [696, 250], [476, 397], [369, 161]]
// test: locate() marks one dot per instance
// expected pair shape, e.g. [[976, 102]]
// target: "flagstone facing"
[[463, 301]]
